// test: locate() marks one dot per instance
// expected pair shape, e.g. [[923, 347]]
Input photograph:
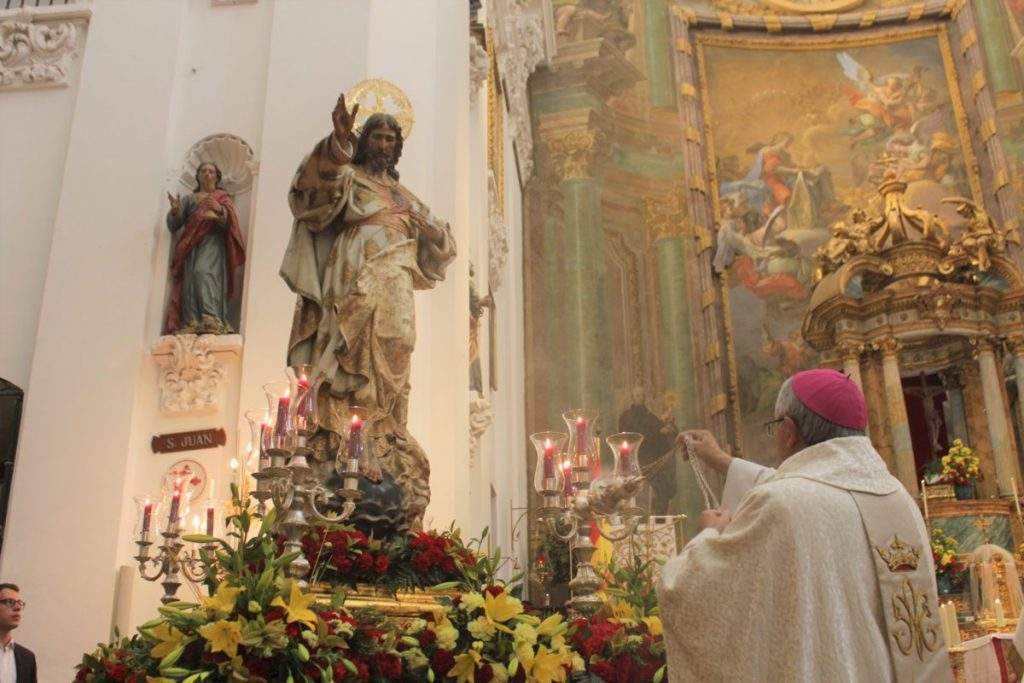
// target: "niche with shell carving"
[[208, 217]]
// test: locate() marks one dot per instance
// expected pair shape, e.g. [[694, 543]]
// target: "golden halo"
[[376, 95]]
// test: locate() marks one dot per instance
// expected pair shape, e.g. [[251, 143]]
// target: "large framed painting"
[[798, 133]]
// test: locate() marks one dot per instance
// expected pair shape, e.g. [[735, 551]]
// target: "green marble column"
[[677, 360], [581, 303], [657, 46], [997, 44]]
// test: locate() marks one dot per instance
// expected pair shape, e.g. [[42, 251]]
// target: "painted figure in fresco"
[[206, 255], [361, 245], [887, 103], [477, 306], [659, 438]]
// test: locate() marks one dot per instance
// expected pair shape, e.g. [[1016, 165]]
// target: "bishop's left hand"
[[714, 519]]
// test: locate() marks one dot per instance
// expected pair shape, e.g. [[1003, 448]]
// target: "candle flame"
[[233, 464], [547, 444], [580, 420]]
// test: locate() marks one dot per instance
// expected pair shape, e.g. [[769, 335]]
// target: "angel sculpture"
[[981, 237], [885, 103], [846, 241], [897, 218]]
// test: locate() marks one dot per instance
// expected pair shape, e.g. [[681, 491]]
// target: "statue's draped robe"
[[794, 588], [356, 255], [206, 254]]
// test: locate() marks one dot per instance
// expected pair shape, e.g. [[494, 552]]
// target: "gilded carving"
[[916, 630], [665, 216], [937, 304], [889, 346], [982, 237], [1016, 345], [850, 350], [575, 154]]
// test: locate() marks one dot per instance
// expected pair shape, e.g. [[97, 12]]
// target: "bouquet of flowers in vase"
[[960, 466], [948, 569]]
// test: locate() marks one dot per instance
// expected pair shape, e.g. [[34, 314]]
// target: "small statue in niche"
[[477, 305], [206, 254]]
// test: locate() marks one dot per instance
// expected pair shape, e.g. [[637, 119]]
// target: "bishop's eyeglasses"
[[772, 426]]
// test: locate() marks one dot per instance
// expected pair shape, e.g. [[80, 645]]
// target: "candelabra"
[[171, 562], [285, 477], [571, 501]]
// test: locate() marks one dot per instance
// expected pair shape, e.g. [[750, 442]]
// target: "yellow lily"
[[621, 611], [223, 636], [464, 670], [223, 600], [500, 609], [548, 667], [549, 625], [169, 638], [297, 607], [653, 625]]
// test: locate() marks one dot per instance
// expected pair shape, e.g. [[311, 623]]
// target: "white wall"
[[34, 128]]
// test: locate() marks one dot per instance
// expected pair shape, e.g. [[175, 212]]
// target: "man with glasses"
[[17, 663], [823, 573]]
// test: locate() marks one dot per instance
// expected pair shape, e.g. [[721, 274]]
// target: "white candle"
[[944, 622], [924, 500], [954, 627], [1000, 614]]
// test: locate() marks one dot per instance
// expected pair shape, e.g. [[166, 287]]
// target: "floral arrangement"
[[944, 548], [344, 556], [256, 626], [960, 465]]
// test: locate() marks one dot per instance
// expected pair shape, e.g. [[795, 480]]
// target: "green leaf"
[[659, 675], [172, 657], [198, 538]]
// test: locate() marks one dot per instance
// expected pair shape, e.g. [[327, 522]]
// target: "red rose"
[[274, 613], [116, 671], [593, 645], [495, 591], [442, 662], [421, 563], [389, 666], [344, 565], [426, 637], [364, 562], [382, 564], [604, 670], [448, 565], [293, 630]]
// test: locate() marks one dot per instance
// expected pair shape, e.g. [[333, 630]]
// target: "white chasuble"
[[824, 574]]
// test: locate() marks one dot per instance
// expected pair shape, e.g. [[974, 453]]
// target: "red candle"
[[567, 472], [147, 516], [305, 409], [355, 441], [549, 459], [624, 453], [281, 426], [581, 435], [209, 520], [172, 518]]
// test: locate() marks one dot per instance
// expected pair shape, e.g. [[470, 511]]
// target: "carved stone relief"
[[36, 53], [191, 376]]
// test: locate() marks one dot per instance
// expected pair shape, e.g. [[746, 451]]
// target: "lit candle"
[[624, 454], [147, 516], [355, 441], [549, 459], [1000, 614], [567, 478], [281, 426], [581, 435], [209, 519], [924, 500], [305, 407]]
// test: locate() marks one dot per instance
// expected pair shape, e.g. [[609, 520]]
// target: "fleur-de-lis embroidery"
[[915, 628]]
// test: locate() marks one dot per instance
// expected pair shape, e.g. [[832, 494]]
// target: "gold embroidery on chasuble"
[[899, 556], [915, 629]]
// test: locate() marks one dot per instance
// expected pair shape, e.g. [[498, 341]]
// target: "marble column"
[[582, 302], [996, 414], [899, 426], [850, 352]]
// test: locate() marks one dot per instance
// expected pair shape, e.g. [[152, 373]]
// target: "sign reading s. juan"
[[189, 441]]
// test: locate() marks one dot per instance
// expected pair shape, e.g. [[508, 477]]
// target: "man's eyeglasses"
[[11, 603], [772, 426]]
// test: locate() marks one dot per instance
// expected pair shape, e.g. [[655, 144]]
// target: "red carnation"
[[364, 562], [442, 662], [495, 591], [382, 564], [344, 565], [483, 674], [426, 637], [389, 666], [604, 670], [421, 563]]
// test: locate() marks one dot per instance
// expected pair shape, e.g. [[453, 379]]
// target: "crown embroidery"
[[899, 556]]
